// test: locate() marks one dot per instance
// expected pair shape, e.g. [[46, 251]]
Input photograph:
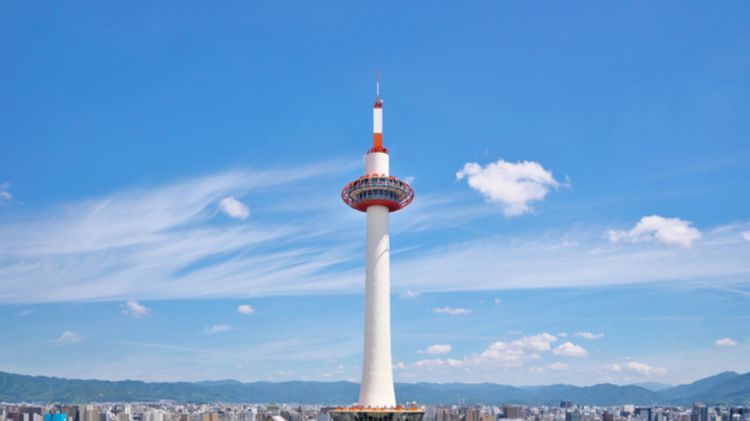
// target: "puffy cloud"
[[644, 369], [136, 309], [211, 330], [516, 352], [589, 335], [498, 301], [68, 338], [234, 208], [537, 343], [501, 353], [245, 309], [453, 311], [613, 367], [669, 231], [746, 235], [725, 342], [438, 349], [512, 185], [569, 349], [562, 334], [558, 366]]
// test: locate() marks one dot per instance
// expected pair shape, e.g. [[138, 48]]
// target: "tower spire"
[[377, 118]]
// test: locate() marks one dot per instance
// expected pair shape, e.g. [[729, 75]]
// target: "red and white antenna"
[[377, 118]]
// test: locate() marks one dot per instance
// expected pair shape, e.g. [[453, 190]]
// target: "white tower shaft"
[[377, 371]]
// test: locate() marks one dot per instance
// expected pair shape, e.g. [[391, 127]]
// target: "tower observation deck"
[[377, 193]]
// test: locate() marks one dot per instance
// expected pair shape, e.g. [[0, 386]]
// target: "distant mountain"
[[727, 387], [699, 388], [654, 386]]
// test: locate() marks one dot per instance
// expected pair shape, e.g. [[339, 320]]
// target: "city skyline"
[[170, 210]]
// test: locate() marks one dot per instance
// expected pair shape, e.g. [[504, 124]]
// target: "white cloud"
[[538, 343], [514, 353], [644, 369], [135, 309], [533, 262], [234, 208], [211, 330], [399, 365], [562, 334], [502, 353], [453, 311], [725, 342], [438, 349], [589, 335], [409, 294], [536, 370], [613, 367], [5, 195], [669, 231], [139, 244], [512, 185], [245, 309], [498, 354], [569, 349], [746, 235], [68, 338], [498, 301], [558, 366]]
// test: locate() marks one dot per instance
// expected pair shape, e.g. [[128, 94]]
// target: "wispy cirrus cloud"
[[212, 330], [452, 311], [537, 262], [138, 244]]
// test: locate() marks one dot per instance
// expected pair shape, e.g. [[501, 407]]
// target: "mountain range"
[[724, 388]]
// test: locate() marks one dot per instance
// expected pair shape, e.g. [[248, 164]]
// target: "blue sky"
[[582, 210]]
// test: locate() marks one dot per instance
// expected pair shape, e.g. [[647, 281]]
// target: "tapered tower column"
[[378, 193], [377, 372]]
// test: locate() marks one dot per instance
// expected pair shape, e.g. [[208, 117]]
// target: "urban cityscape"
[[172, 411]]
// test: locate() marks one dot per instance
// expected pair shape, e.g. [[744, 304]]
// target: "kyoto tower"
[[377, 193]]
